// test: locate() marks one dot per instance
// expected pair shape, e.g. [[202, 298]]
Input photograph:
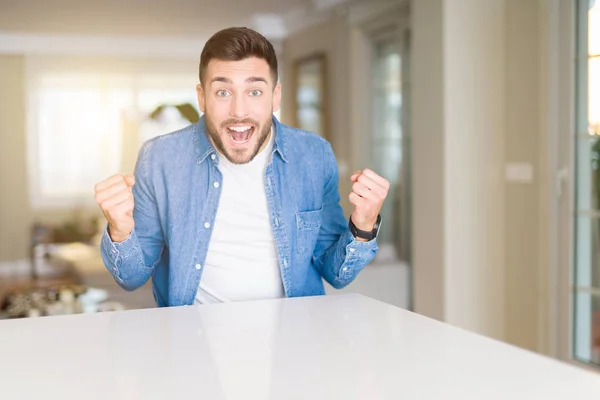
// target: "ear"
[[201, 101], [277, 97]]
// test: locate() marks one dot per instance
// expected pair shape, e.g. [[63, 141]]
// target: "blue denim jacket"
[[176, 203]]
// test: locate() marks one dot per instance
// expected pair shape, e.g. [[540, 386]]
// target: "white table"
[[328, 347]]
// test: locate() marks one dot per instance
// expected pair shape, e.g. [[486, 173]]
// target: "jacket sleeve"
[[338, 256], [132, 261]]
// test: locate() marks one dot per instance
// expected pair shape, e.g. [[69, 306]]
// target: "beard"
[[238, 156]]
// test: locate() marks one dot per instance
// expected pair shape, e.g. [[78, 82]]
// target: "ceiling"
[[188, 18]]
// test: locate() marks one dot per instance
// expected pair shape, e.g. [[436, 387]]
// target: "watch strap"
[[367, 235]]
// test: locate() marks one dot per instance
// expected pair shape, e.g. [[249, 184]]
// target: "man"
[[238, 206]]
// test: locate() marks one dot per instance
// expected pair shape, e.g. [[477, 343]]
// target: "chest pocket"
[[308, 224]]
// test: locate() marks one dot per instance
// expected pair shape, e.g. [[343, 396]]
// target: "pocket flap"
[[308, 219]]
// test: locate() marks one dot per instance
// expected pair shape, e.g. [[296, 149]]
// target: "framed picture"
[[309, 88]]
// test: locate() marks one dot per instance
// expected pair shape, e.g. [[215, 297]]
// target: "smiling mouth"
[[240, 134]]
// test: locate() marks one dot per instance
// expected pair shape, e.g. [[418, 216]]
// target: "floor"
[[385, 282]]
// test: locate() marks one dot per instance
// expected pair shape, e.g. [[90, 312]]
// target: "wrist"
[[117, 236], [364, 225], [366, 231]]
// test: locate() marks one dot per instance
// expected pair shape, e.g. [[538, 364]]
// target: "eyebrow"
[[252, 79]]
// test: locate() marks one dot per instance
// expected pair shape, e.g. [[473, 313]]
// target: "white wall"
[[15, 215], [428, 143], [458, 106], [474, 92], [481, 254], [527, 209]]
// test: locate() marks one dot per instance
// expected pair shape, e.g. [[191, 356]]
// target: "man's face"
[[238, 99]]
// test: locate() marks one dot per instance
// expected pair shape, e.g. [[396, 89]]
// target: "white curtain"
[[87, 118]]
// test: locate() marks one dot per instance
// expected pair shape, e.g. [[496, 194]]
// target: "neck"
[[267, 140]]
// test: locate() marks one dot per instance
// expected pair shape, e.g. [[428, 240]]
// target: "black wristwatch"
[[367, 235]]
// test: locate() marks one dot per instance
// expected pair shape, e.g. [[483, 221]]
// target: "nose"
[[238, 107]]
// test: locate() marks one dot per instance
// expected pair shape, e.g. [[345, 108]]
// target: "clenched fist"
[[368, 194], [115, 198]]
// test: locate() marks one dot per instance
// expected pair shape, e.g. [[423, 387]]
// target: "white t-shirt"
[[241, 263]]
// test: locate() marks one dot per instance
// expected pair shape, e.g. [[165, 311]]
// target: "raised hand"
[[368, 194], [115, 197]]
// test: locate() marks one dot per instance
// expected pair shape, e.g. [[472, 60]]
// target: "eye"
[[222, 93], [255, 92]]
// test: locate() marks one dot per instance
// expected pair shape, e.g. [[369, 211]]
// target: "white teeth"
[[240, 128]]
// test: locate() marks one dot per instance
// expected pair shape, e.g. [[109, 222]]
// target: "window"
[[85, 125], [389, 142], [310, 88], [79, 131], [587, 224], [387, 131]]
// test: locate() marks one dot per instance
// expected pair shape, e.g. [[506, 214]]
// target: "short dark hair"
[[236, 44]]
